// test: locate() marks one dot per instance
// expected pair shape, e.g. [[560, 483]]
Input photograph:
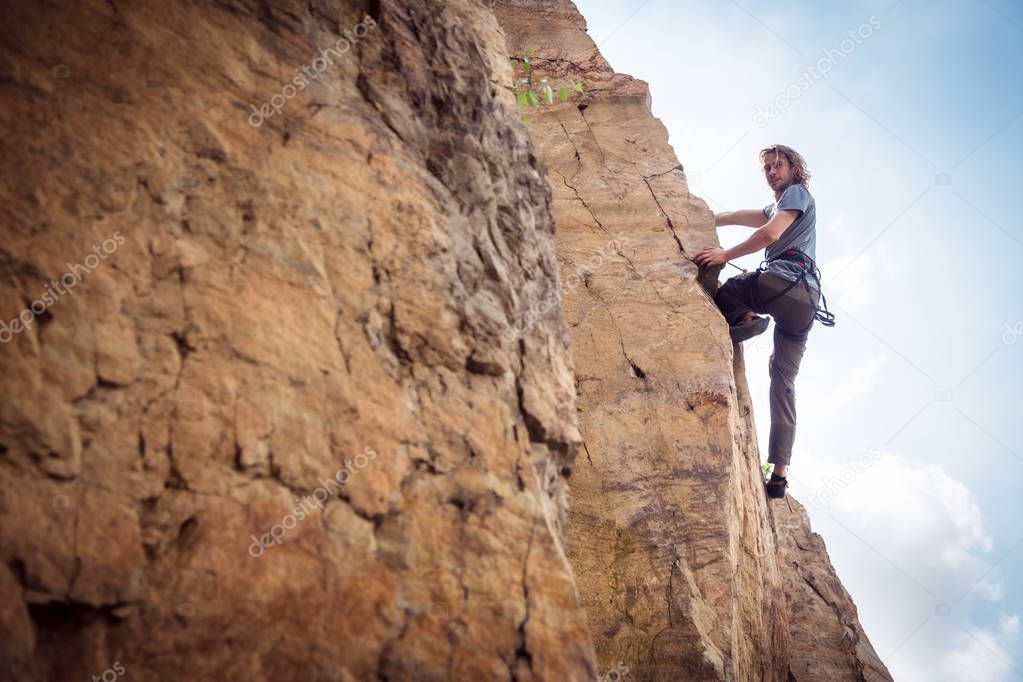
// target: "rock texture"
[[322, 288], [679, 562]]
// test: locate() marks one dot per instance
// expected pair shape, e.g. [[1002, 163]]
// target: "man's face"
[[777, 171]]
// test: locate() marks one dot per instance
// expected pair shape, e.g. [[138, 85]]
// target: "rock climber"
[[788, 289]]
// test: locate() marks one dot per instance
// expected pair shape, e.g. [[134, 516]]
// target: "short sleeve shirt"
[[801, 234]]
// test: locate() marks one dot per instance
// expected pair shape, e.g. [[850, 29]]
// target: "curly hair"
[[800, 174]]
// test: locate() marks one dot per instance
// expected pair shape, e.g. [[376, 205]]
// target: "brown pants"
[[792, 313]]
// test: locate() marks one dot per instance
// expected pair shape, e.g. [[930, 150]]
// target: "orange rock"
[[287, 294]]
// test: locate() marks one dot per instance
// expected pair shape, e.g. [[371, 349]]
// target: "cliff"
[[300, 300], [686, 569], [293, 388]]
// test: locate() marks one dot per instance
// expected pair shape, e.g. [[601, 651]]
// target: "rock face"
[[289, 387], [676, 553], [828, 642], [272, 428]]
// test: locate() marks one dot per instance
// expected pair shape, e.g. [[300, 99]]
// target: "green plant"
[[766, 470], [528, 93]]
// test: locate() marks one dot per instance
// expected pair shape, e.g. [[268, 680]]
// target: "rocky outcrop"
[[681, 566], [261, 419], [828, 642]]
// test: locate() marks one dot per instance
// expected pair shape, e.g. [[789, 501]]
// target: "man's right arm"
[[753, 217]]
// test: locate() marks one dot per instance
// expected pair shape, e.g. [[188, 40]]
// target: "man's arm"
[[761, 239], [753, 217], [764, 236]]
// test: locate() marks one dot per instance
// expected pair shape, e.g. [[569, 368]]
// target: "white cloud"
[[921, 546], [983, 654], [920, 515]]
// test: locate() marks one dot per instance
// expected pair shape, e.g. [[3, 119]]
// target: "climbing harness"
[[822, 315]]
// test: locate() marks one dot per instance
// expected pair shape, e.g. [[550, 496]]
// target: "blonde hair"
[[799, 173]]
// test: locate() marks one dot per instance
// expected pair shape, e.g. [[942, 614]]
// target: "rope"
[[727, 263]]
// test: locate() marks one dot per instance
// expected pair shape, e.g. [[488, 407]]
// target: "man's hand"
[[712, 255]]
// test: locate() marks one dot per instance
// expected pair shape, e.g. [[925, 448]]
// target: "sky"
[[909, 449]]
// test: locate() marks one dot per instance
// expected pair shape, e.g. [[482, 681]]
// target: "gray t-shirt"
[[801, 234]]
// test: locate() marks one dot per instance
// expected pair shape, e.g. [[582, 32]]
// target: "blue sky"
[[909, 454]]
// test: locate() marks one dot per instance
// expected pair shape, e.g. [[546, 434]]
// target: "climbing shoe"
[[776, 486], [747, 330]]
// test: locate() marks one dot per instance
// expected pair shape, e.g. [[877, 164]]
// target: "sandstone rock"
[[293, 292]]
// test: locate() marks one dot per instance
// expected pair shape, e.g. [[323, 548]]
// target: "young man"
[[788, 289]]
